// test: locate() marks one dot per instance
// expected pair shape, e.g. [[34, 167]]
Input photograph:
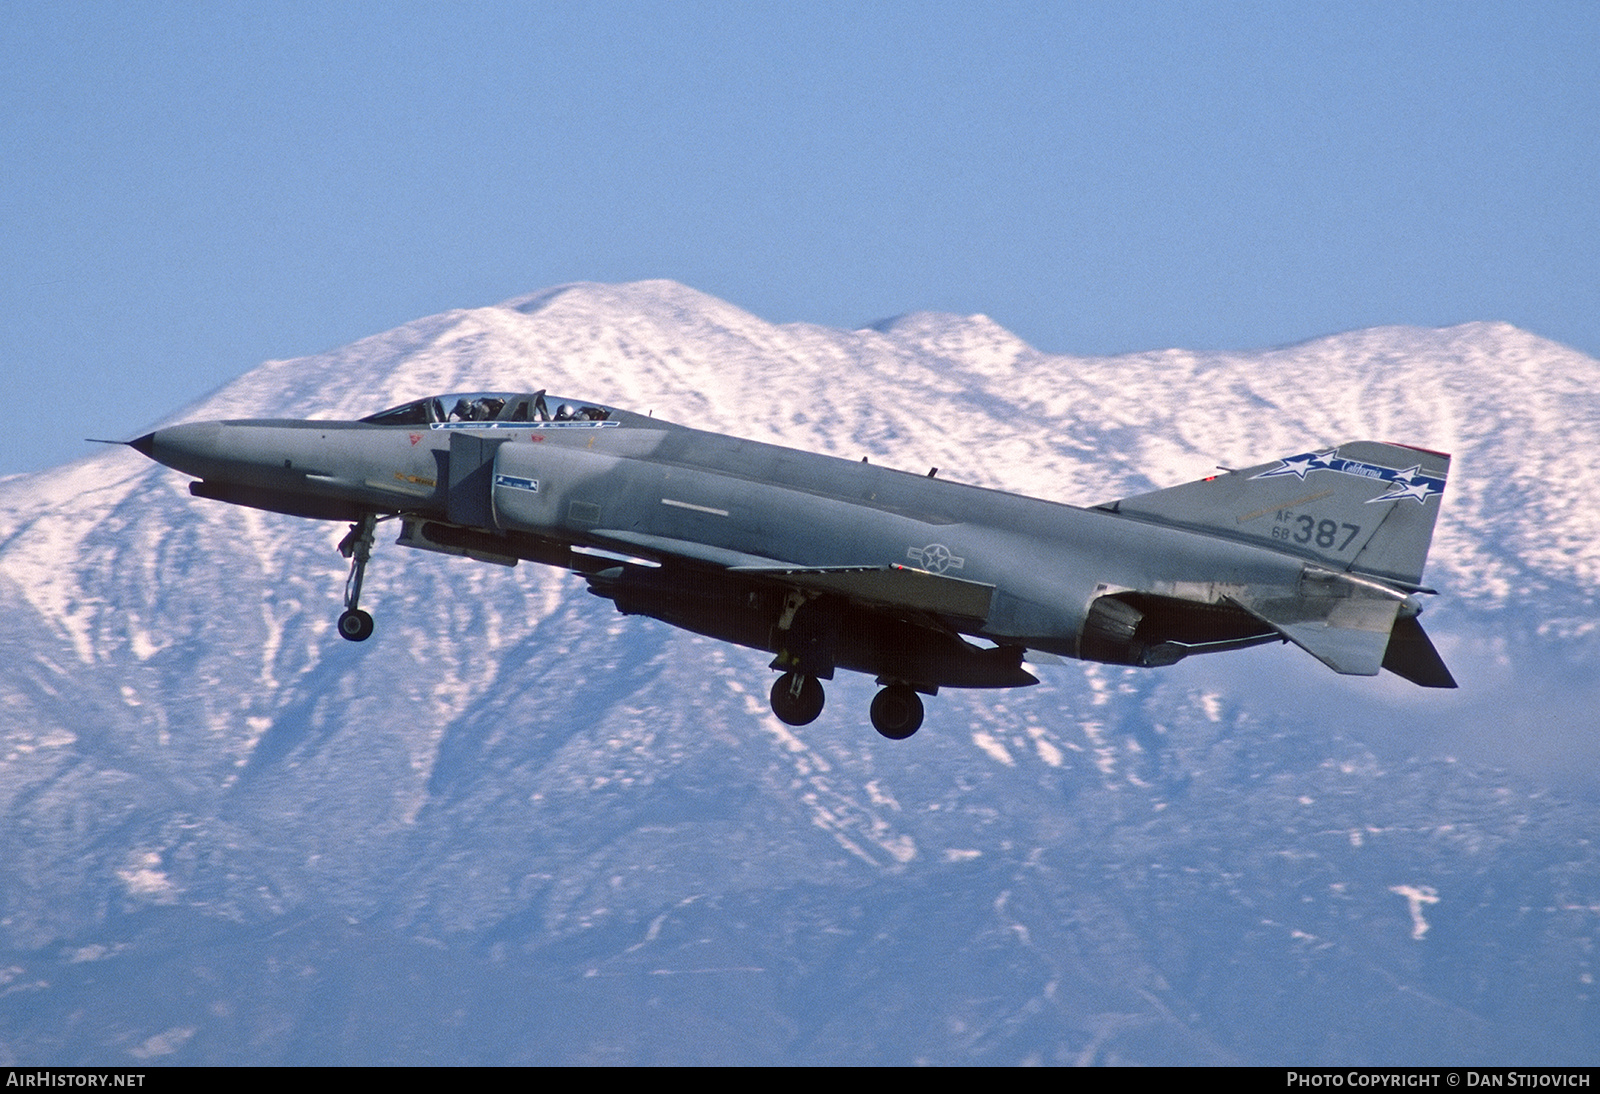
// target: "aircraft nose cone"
[[191, 448]]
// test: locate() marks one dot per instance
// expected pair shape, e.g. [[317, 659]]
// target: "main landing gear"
[[356, 625], [797, 699], [897, 712]]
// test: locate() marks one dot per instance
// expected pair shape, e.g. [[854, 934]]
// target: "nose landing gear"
[[356, 625]]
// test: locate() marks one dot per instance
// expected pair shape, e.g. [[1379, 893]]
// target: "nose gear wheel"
[[356, 625]]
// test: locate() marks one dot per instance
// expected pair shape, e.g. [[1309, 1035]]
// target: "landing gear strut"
[[356, 625], [797, 698], [897, 712]]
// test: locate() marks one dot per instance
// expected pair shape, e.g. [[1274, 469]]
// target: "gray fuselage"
[[687, 497]]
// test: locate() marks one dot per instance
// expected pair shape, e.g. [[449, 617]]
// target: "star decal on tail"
[[1410, 483]]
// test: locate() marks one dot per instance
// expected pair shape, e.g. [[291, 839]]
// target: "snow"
[[509, 750]]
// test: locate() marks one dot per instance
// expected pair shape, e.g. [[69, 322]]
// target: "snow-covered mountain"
[[517, 826]]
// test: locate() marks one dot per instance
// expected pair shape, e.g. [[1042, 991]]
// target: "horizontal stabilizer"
[[1411, 655], [1341, 623]]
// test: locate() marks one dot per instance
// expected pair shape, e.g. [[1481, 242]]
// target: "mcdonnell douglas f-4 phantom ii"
[[831, 564]]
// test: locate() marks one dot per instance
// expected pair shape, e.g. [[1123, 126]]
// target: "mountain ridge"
[[201, 784]]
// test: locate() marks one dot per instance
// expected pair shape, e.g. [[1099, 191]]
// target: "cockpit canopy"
[[490, 406]]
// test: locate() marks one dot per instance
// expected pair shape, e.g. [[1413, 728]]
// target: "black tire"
[[355, 626], [897, 712], [801, 709]]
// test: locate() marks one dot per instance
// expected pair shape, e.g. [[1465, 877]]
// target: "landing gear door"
[[471, 477]]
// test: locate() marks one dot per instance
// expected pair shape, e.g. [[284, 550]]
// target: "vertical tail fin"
[[1363, 507]]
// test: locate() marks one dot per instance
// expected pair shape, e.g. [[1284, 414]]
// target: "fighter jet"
[[831, 564]]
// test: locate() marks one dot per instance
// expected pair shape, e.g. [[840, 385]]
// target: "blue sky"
[[187, 190]]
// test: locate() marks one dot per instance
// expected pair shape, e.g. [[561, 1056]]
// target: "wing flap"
[[889, 586], [667, 547], [900, 587]]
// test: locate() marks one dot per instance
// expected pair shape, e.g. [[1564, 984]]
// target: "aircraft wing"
[[899, 587]]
